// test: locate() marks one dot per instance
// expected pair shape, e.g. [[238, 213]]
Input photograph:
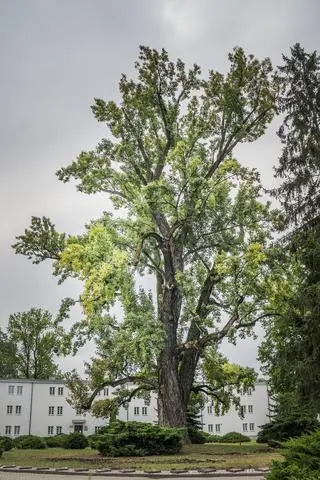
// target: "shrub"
[[55, 441], [6, 443], [1, 452], [75, 441], [138, 439], [234, 437], [284, 428], [29, 441], [302, 459], [197, 436], [214, 439]]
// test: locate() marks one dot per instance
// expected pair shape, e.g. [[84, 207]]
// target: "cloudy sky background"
[[56, 55]]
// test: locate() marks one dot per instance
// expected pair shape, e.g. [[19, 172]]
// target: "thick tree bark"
[[172, 409]]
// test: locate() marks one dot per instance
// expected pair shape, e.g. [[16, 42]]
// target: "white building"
[[39, 407]]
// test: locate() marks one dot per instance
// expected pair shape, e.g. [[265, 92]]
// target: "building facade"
[[40, 407]]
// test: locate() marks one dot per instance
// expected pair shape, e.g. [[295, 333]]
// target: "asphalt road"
[[43, 476]]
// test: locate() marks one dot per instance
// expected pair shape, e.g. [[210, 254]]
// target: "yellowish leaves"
[[101, 265]]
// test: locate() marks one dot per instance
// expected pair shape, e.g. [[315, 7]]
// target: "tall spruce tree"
[[291, 351], [192, 218]]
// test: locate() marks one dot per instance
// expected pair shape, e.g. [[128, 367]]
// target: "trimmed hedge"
[[6, 443], [302, 459], [234, 437], [75, 441], [214, 439], [29, 441], [55, 441], [138, 439]]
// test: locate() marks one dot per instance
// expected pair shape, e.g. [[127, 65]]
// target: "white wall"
[[231, 422], [36, 399]]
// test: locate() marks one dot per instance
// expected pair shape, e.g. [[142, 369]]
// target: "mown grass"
[[192, 456]]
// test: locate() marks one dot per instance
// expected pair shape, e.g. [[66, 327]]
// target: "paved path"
[[43, 476]]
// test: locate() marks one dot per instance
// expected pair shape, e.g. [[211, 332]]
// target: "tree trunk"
[[172, 411]]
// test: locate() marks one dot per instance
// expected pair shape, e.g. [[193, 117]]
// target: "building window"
[[78, 411], [105, 392], [249, 391], [51, 410], [19, 390], [218, 427], [11, 389], [18, 409], [245, 427], [17, 429], [147, 402], [59, 410], [58, 430], [97, 429], [60, 390], [52, 390], [98, 394], [250, 408], [210, 428], [209, 409], [8, 429], [50, 430], [243, 410], [9, 409], [251, 426], [136, 410], [144, 411]]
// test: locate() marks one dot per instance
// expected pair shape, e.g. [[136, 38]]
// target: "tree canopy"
[[191, 220], [34, 339], [291, 352]]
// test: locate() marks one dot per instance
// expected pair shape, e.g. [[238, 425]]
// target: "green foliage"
[[291, 351], [8, 367], [283, 428], [234, 437], [36, 338], [191, 216], [6, 443], [1, 452], [55, 440], [302, 459], [197, 436], [25, 442], [75, 441], [213, 439], [138, 439]]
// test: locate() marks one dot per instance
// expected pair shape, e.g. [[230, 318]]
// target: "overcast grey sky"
[[56, 55]]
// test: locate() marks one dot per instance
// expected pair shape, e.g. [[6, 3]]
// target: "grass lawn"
[[219, 456]]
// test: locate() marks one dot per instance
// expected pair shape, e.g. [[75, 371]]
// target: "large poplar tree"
[[191, 220]]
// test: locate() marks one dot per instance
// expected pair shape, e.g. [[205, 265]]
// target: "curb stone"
[[107, 472]]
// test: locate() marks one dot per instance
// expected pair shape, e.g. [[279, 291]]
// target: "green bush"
[[234, 437], [214, 439], [137, 439], [93, 439], [302, 459], [197, 436], [1, 452], [75, 441], [29, 441], [284, 428], [6, 443], [55, 441]]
